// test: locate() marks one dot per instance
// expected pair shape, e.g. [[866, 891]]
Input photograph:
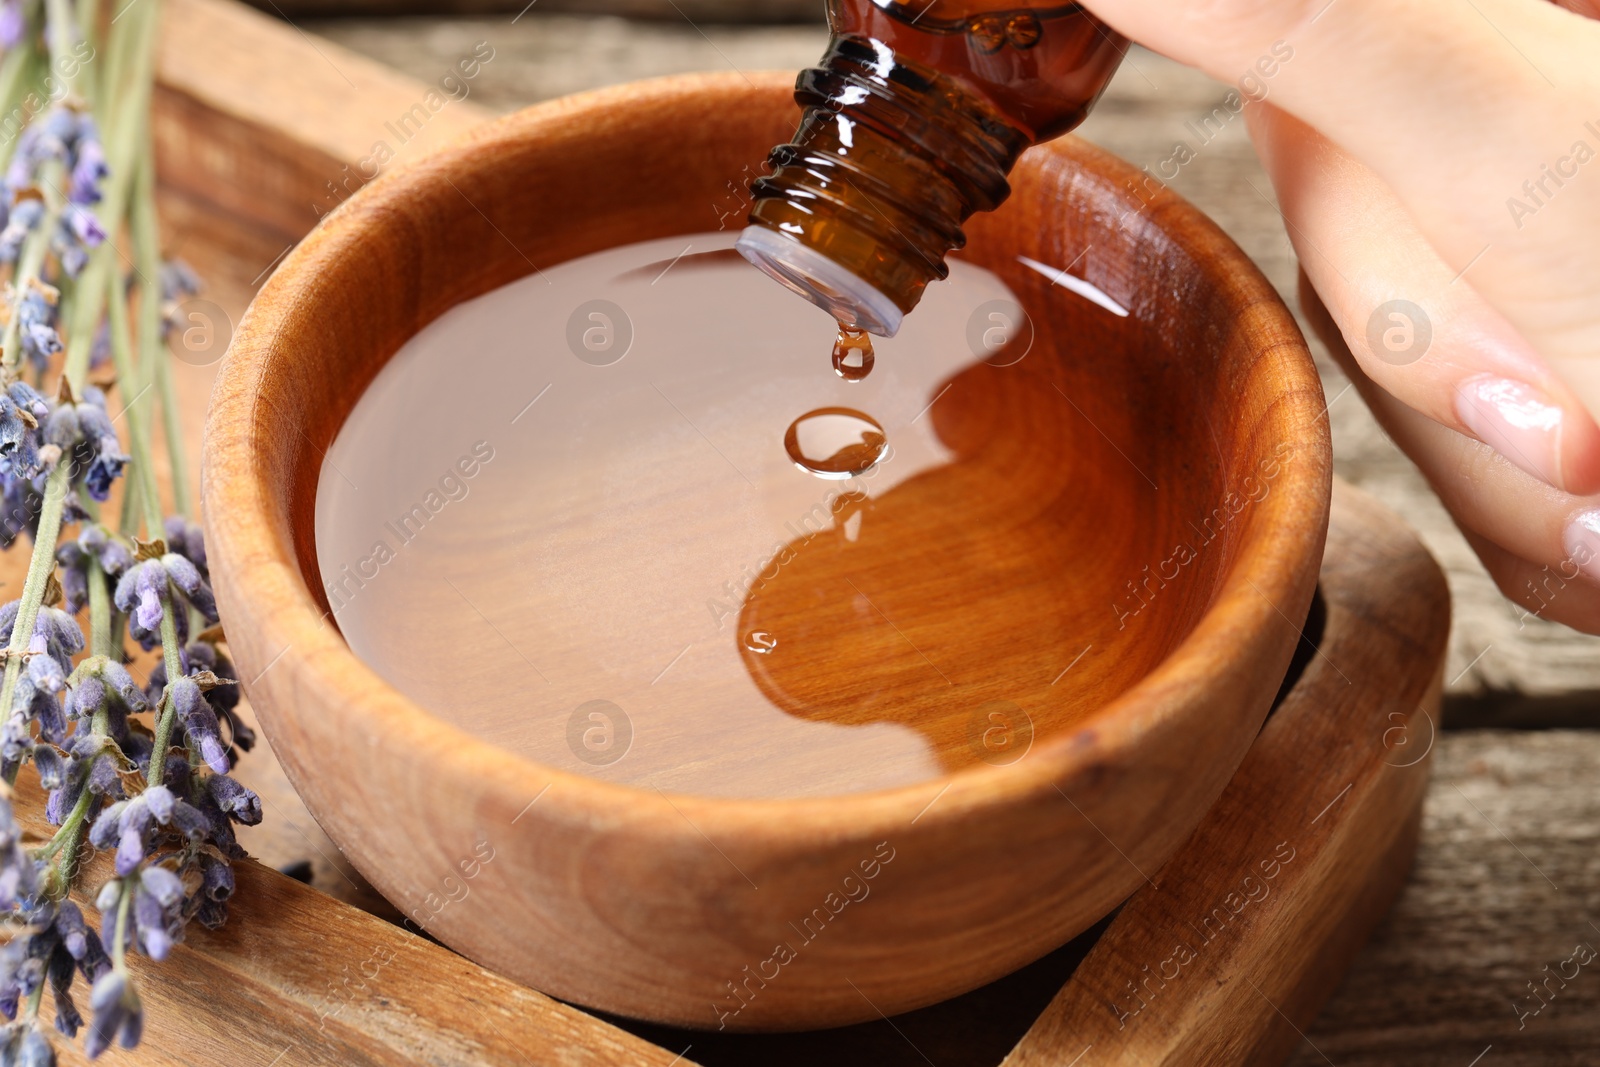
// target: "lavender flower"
[[19, 877], [118, 1015], [187, 540], [199, 723], [96, 544], [129, 825], [146, 589], [25, 1045], [55, 944], [78, 233], [94, 763], [89, 167], [178, 283], [37, 312], [225, 802], [83, 430], [209, 903], [25, 215], [205, 661]]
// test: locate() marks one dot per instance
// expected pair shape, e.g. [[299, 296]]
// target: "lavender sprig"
[[155, 796]]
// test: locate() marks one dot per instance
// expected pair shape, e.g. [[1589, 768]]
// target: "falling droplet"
[[760, 642], [853, 356], [836, 443]]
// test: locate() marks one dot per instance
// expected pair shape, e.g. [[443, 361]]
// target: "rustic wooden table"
[[1507, 874]]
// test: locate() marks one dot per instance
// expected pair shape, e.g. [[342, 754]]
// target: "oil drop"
[[836, 443], [853, 356]]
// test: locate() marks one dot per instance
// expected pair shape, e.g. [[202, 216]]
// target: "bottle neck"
[[890, 160]]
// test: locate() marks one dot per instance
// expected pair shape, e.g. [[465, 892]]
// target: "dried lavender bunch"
[[137, 770]]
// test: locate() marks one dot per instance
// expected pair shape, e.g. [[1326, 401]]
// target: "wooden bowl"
[[703, 912]]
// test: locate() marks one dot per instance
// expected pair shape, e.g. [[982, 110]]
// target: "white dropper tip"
[[804, 270]]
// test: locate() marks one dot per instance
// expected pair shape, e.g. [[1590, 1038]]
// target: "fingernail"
[[1517, 421], [1583, 543]]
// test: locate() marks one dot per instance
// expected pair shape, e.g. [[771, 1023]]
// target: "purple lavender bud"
[[216, 878], [62, 632], [52, 768], [52, 719], [25, 215], [100, 350], [28, 398], [183, 573], [150, 922], [200, 723], [13, 26], [40, 342], [113, 555], [164, 885], [16, 743], [18, 872], [117, 1014], [160, 801], [83, 225], [61, 427], [190, 820], [43, 671], [178, 280], [73, 258], [36, 1050], [87, 697], [106, 467], [89, 168], [12, 427], [95, 962], [131, 842], [103, 832], [74, 932], [103, 777], [117, 676], [242, 805], [74, 575], [139, 593]]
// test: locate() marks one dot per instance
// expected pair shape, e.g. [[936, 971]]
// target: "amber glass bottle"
[[911, 124]]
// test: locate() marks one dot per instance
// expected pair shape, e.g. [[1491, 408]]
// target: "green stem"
[[59, 25], [99, 612], [14, 70], [119, 948], [89, 24], [64, 850], [40, 566], [138, 439], [132, 51], [155, 361], [169, 709]]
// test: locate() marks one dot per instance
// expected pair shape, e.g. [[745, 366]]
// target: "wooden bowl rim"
[[245, 540]]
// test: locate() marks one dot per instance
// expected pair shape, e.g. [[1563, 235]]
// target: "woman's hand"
[[1438, 166]]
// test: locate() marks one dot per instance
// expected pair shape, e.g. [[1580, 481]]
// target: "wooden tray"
[[256, 125], [1225, 956]]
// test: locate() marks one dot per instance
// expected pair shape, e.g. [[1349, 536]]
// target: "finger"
[[1484, 491], [1481, 116], [1416, 329], [1555, 594]]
